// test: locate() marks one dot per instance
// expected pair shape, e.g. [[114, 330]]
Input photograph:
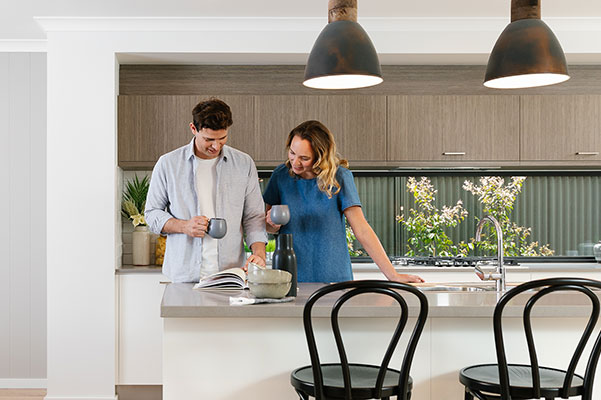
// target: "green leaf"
[[134, 196]]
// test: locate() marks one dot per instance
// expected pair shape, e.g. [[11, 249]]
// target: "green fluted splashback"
[[380, 200], [563, 211]]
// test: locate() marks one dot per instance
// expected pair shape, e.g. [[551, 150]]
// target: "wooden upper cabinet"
[[275, 117], [358, 123], [150, 126], [561, 128], [453, 128]]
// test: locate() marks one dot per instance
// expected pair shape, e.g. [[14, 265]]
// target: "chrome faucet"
[[499, 276]]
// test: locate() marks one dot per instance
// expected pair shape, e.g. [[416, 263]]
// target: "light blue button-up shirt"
[[238, 199]]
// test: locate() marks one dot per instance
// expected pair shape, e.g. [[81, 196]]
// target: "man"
[[202, 180]]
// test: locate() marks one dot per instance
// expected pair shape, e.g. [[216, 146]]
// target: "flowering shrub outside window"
[[498, 200], [426, 225]]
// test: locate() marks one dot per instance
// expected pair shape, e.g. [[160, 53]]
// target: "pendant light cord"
[[342, 10], [525, 9]]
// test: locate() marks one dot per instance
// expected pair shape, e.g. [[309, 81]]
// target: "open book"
[[232, 278]]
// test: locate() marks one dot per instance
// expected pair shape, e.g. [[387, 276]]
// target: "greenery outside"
[[350, 241], [498, 200], [427, 226]]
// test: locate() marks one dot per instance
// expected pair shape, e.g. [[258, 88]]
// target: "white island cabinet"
[[212, 350], [140, 334]]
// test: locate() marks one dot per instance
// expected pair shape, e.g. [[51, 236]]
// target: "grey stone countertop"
[[180, 300]]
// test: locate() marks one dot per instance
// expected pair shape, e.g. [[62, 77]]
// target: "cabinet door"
[[150, 126], [414, 129], [140, 329], [357, 122], [453, 128], [275, 117], [561, 128]]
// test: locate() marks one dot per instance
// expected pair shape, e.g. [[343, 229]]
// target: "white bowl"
[[269, 283]]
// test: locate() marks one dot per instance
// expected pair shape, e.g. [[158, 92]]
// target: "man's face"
[[208, 143]]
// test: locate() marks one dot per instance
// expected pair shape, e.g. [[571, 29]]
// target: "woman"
[[319, 190]]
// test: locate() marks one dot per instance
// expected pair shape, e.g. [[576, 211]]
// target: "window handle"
[[453, 153], [587, 153]]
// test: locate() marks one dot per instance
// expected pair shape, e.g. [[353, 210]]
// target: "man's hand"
[[258, 255], [254, 259], [196, 226]]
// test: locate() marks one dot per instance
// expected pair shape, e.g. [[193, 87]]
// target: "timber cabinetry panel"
[[358, 123], [275, 117], [561, 128], [453, 128], [150, 126]]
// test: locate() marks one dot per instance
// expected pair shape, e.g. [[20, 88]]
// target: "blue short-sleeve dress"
[[316, 223]]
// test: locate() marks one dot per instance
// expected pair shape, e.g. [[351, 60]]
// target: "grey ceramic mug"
[[280, 214], [217, 228]]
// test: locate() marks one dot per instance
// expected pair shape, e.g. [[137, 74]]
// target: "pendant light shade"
[[343, 56], [527, 54]]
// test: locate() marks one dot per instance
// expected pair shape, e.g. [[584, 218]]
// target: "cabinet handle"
[[587, 153], [453, 153]]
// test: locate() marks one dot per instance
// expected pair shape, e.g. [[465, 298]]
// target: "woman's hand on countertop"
[[407, 278]]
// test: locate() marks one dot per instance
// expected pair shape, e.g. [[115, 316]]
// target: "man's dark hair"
[[213, 114]]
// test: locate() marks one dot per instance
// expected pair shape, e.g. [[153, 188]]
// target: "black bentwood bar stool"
[[515, 381], [359, 381]]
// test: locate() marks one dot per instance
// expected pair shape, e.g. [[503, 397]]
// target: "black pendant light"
[[343, 56], [527, 54]]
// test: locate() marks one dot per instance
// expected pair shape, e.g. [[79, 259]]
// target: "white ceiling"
[[16, 16]]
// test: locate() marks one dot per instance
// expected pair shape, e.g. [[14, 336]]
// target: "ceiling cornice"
[[418, 37], [296, 24]]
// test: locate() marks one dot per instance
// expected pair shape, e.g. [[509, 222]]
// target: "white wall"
[[82, 205], [23, 233]]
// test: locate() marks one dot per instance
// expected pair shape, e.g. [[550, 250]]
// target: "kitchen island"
[[212, 350]]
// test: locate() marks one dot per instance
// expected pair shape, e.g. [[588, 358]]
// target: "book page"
[[232, 278]]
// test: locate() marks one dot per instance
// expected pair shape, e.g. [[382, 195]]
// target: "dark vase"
[[285, 259]]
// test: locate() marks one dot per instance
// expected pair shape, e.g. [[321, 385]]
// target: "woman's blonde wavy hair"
[[326, 159]]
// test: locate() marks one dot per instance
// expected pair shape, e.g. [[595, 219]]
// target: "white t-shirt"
[[206, 184]]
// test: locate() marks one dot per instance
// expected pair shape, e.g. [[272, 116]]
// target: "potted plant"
[[132, 207]]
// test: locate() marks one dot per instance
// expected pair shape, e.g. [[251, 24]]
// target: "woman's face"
[[301, 158]]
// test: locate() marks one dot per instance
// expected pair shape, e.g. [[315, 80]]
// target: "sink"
[[455, 288], [467, 287]]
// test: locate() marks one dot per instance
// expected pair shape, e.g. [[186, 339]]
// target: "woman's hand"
[[406, 278], [271, 226]]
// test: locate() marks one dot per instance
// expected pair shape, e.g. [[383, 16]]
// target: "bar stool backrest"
[[352, 289], [545, 287]]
